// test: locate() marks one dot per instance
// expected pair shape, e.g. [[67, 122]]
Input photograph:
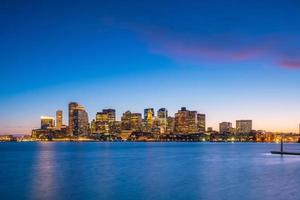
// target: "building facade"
[[243, 126], [47, 122], [225, 127], [59, 119]]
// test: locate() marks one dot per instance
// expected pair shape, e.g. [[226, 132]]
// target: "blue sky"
[[229, 59]]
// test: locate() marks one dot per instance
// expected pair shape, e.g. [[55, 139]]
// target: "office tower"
[[78, 120], [47, 122], [162, 113], [59, 119], [105, 120], [72, 107], [136, 121], [225, 127], [185, 121], [125, 121], [111, 113], [149, 116], [161, 121], [243, 126], [170, 124], [201, 122], [131, 121], [81, 122]]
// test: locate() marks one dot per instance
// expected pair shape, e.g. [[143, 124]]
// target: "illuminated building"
[[243, 126], [47, 122], [136, 121], [186, 121], [201, 122], [131, 121], [148, 118], [78, 120], [170, 124], [225, 127], [59, 119], [81, 122], [111, 113], [72, 107], [161, 121], [105, 120]]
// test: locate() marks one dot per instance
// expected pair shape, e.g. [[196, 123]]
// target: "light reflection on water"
[[147, 171]]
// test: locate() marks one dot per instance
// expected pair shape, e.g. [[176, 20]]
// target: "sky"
[[228, 59]]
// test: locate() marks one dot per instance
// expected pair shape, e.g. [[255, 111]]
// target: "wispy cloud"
[[272, 49]]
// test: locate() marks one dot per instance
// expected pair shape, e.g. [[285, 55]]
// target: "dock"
[[281, 152], [285, 153]]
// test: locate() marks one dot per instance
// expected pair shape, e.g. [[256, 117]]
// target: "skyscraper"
[[59, 119], [185, 121], [201, 122], [131, 121], [105, 120], [243, 126], [78, 120], [148, 119], [225, 127], [81, 122], [162, 115]]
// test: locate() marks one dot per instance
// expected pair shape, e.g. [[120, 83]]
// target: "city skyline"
[[227, 59], [61, 119]]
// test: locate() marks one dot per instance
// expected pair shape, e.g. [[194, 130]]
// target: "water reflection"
[[44, 172]]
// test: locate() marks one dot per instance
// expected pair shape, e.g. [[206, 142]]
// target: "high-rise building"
[[149, 115], [111, 113], [72, 107], [161, 121], [81, 122], [104, 121], [225, 127], [186, 121], [78, 120], [243, 126], [201, 122], [136, 121], [131, 121], [170, 124], [59, 119], [47, 122]]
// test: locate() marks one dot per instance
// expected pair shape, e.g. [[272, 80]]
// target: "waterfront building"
[[104, 121], [243, 126], [136, 121], [81, 122], [161, 120], [225, 127], [170, 125], [59, 119], [201, 122], [186, 121], [47, 122], [111, 114], [78, 120], [125, 121], [131, 121], [72, 107], [148, 118]]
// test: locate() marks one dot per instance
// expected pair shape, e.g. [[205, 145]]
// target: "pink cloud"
[[213, 48], [294, 64]]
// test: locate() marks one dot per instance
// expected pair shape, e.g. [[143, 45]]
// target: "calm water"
[[147, 171]]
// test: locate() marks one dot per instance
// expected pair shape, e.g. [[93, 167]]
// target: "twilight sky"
[[229, 59]]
